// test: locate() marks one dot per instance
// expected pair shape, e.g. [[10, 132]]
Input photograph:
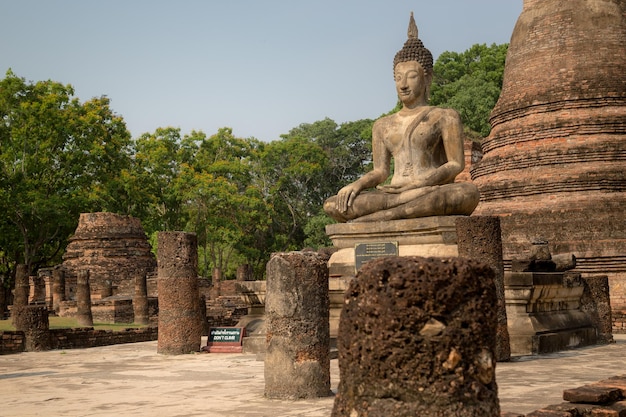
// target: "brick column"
[[417, 338], [37, 292], [22, 286], [595, 301], [46, 275], [83, 299], [480, 238], [140, 299], [58, 288], [180, 325], [297, 362]]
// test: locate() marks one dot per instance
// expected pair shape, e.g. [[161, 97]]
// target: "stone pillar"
[[33, 321], [480, 238], [58, 288], [3, 300], [37, 289], [83, 299], [297, 361], [244, 272], [417, 338], [595, 301], [140, 300], [180, 327], [216, 281], [45, 274], [22, 286], [106, 290]]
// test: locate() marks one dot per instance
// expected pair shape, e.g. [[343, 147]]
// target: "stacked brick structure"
[[113, 248], [553, 165]]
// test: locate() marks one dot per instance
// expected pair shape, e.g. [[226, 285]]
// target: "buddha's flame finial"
[[412, 32]]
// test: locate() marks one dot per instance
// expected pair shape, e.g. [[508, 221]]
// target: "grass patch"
[[69, 322]]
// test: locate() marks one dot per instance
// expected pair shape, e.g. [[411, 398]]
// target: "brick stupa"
[[554, 163], [113, 248]]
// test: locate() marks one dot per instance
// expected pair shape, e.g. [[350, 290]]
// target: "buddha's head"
[[413, 57]]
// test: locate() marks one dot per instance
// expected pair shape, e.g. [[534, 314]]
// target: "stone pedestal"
[[417, 338], [297, 358], [254, 322], [180, 323], [544, 314], [427, 236]]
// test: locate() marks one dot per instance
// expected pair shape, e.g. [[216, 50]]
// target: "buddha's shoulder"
[[444, 113]]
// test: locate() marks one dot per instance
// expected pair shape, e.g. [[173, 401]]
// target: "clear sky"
[[260, 67]]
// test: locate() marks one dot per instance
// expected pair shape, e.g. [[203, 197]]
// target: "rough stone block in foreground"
[[297, 361], [417, 338], [180, 323]]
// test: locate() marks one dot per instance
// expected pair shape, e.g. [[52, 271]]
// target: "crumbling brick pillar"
[[140, 299], [180, 325], [22, 286], [596, 302], [37, 289], [58, 288], [297, 361], [480, 238], [46, 275], [417, 338], [33, 321], [83, 299]]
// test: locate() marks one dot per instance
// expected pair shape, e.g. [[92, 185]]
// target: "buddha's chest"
[[404, 135]]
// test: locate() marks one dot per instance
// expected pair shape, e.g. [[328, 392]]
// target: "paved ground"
[[133, 380]]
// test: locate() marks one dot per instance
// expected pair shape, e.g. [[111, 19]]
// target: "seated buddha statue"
[[426, 144]]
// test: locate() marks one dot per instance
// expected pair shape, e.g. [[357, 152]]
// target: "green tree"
[[154, 180], [58, 158], [347, 156], [470, 82], [226, 206]]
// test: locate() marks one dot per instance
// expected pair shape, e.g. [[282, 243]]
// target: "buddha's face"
[[411, 83]]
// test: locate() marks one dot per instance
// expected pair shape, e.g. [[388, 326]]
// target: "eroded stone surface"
[[417, 337]]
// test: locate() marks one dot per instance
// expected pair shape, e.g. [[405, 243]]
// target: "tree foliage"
[[58, 158], [470, 82]]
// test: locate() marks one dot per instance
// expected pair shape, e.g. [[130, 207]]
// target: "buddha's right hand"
[[346, 196]]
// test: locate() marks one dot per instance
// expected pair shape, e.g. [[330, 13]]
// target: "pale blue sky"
[[261, 67]]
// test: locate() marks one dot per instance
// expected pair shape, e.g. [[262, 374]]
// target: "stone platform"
[[544, 314], [427, 236]]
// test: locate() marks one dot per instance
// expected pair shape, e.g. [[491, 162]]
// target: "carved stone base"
[[544, 314], [427, 236]]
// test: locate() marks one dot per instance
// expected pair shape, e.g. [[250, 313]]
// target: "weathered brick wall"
[[113, 248], [553, 165], [84, 337], [11, 342], [619, 321]]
